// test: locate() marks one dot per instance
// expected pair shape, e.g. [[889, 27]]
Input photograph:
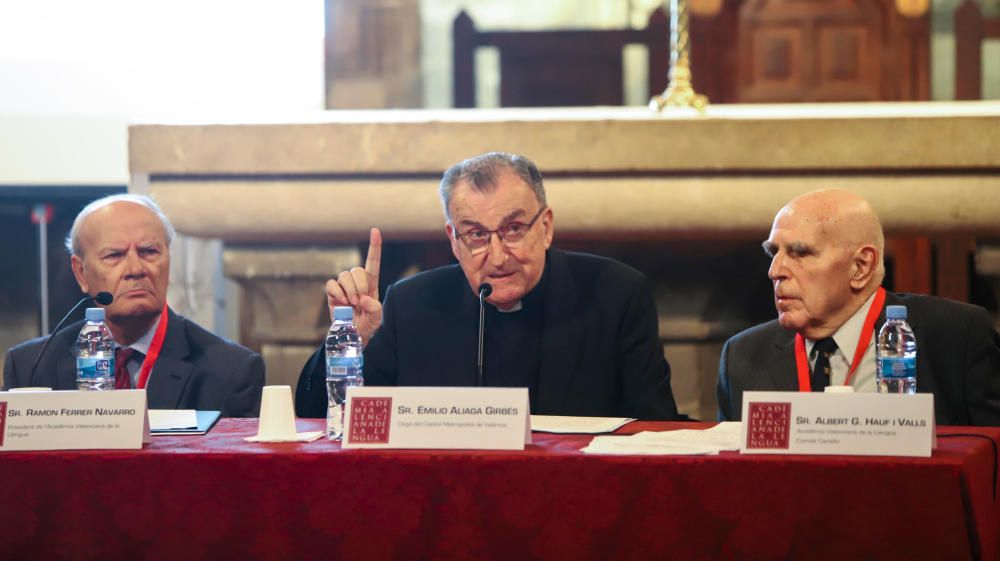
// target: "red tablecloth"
[[217, 497]]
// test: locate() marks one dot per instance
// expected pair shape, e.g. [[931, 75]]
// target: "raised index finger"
[[374, 261]]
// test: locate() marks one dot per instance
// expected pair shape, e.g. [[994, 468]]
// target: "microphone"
[[102, 298], [485, 290]]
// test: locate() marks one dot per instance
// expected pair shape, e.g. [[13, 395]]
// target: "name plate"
[[73, 420], [866, 424], [437, 418]]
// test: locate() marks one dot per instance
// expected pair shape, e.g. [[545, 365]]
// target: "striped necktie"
[[820, 378], [123, 380]]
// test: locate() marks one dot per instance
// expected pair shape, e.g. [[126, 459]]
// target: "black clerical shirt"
[[513, 343]]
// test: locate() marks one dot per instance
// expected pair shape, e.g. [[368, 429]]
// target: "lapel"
[[172, 371], [562, 335], [65, 367], [781, 372]]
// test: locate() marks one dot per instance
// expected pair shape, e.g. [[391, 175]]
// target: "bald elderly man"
[[121, 245], [826, 249]]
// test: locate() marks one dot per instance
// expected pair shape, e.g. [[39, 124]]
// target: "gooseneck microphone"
[[485, 290], [102, 298]]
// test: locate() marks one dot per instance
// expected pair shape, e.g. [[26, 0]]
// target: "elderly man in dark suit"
[[579, 331], [121, 245], [826, 250]]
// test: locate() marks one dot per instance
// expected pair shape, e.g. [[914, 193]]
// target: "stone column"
[[284, 311]]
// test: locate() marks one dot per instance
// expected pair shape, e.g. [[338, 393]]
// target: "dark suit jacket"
[[600, 350], [958, 360], [196, 370]]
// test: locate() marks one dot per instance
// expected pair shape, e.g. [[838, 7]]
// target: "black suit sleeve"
[[310, 393], [9, 373], [723, 392], [982, 370], [247, 387], [380, 353], [644, 370]]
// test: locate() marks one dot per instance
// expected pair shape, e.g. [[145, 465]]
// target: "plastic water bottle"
[[344, 361], [95, 354], [896, 354]]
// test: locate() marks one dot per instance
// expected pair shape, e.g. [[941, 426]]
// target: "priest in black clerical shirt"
[[513, 346], [579, 331]]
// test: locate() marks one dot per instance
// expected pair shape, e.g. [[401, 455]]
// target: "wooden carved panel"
[[810, 50], [830, 50]]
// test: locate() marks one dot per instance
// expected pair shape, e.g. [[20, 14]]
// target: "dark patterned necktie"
[[123, 380], [820, 378]]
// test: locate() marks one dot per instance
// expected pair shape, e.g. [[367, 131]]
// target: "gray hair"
[[481, 173], [73, 240]]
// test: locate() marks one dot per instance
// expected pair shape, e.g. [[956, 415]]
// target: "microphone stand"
[[102, 298], [485, 290]]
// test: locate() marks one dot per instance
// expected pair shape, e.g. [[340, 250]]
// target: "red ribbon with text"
[[802, 361], [154, 350]]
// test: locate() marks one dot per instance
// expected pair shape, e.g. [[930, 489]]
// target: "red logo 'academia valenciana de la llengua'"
[[769, 425], [370, 420]]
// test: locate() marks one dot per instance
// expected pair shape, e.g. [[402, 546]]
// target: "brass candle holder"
[[679, 92]]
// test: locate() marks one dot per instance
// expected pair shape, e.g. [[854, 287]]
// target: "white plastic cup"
[[277, 415], [838, 389]]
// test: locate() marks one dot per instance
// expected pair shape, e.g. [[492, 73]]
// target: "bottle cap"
[[95, 314], [895, 312], [345, 313]]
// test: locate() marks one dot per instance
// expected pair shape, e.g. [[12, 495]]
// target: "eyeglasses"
[[510, 234]]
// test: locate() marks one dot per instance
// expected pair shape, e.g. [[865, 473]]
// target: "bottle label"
[[897, 367], [344, 365], [90, 368]]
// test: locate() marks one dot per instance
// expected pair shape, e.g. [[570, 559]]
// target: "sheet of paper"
[[577, 425], [724, 436], [163, 419], [299, 437], [206, 420]]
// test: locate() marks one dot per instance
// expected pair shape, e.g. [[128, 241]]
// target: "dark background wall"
[[20, 291]]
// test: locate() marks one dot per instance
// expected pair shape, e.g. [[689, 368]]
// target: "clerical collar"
[[848, 334], [515, 308], [142, 343], [534, 296]]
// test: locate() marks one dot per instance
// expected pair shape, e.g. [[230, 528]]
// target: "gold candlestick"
[[679, 92]]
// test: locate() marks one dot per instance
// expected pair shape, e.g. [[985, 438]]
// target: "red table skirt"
[[217, 497]]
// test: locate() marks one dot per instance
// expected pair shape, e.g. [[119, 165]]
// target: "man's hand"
[[358, 288]]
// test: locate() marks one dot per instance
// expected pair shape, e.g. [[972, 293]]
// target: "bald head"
[[826, 252], [844, 218], [73, 241]]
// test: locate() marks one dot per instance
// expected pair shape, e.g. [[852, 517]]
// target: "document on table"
[[164, 419], [577, 425], [181, 421], [724, 436]]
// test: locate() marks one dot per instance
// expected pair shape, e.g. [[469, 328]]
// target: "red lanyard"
[[802, 361], [154, 350]]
